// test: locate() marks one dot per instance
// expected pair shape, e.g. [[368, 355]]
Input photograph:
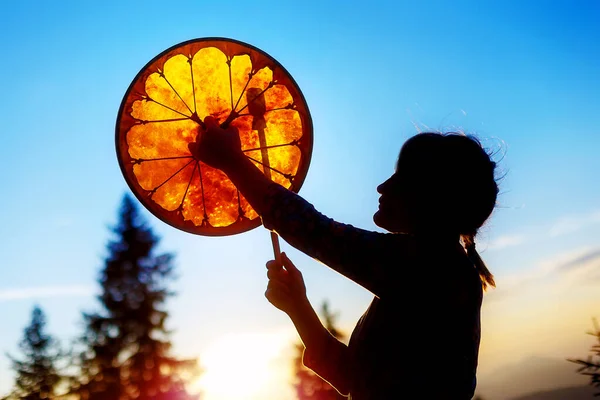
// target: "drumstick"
[[257, 108]]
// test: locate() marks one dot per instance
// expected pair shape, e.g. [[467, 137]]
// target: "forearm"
[[312, 332], [324, 354], [250, 181]]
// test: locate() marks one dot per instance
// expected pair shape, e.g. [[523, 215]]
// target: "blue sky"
[[524, 76]]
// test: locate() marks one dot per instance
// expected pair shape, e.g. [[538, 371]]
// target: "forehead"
[[419, 149]]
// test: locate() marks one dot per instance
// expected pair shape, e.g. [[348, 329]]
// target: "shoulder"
[[411, 247], [423, 261]]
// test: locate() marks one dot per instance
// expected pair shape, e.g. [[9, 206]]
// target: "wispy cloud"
[[580, 261], [574, 267], [562, 226], [573, 223], [504, 241], [581, 270], [45, 292]]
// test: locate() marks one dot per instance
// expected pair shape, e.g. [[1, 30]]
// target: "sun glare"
[[247, 366]]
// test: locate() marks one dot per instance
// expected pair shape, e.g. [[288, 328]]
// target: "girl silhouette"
[[420, 336]]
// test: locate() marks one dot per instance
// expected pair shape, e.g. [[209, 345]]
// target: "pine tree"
[[37, 375], [126, 345], [591, 366], [308, 385]]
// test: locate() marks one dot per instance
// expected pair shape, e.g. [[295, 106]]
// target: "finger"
[[289, 265], [274, 296], [274, 269], [272, 264], [277, 287], [277, 271], [211, 122], [232, 129], [279, 274]]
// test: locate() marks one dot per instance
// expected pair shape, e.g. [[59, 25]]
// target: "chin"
[[381, 221], [387, 223]]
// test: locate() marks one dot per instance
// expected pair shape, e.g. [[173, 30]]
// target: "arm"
[[222, 149], [362, 256], [324, 354]]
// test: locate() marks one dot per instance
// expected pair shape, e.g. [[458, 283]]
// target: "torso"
[[398, 343]]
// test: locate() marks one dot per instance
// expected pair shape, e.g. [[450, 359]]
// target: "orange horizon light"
[[162, 114]]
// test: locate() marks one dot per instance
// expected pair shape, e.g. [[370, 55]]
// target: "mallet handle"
[[257, 108]]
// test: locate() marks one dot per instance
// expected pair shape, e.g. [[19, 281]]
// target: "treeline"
[[124, 351]]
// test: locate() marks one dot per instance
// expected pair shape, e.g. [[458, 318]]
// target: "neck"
[[437, 236]]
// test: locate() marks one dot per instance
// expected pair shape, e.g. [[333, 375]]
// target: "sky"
[[522, 76]]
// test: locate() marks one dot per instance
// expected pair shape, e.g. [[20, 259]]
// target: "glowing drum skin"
[[162, 114]]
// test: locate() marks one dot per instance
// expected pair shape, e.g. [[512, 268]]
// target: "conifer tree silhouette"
[[591, 366], [37, 374], [125, 347]]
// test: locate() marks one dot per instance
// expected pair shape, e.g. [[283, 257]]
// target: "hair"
[[451, 178]]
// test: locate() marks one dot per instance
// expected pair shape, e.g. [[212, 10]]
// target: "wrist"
[[300, 310], [235, 163]]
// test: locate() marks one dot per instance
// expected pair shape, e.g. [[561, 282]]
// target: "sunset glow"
[[82, 78], [247, 366]]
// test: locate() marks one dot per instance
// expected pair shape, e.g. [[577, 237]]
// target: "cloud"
[[573, 223], [562, 226], [504, 241], [581, 270], [574, 267], [46, 292], [580, 261], [571, 268]]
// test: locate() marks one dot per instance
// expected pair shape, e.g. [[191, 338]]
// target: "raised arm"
[[362, 256], [221, 148]]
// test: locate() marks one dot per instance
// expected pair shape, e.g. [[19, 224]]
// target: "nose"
[[382, 187]]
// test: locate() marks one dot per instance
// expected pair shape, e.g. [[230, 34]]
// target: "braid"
[[484, 274]]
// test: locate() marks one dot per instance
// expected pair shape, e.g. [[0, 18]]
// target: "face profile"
[[391, 214], [443, 184]]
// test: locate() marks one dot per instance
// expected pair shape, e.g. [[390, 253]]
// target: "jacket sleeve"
[[361, 255]]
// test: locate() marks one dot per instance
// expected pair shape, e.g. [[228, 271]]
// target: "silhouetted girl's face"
[[401, 201], [443, 184], [391, 214]]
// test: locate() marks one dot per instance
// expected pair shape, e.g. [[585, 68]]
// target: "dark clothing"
[[419, 337]]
